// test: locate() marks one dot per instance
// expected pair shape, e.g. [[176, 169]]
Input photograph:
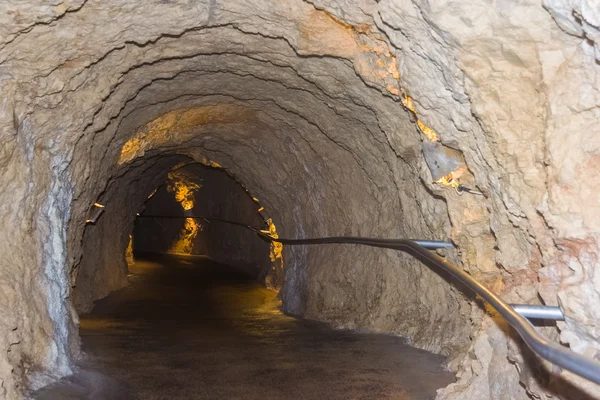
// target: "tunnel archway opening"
[[171, 222], [288, 148], [186, 285], [321, 137], [159, 204]]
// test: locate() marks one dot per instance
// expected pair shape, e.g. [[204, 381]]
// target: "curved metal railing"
[[549, 350]]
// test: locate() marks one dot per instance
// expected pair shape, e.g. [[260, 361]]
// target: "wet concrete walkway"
[[189, 328]]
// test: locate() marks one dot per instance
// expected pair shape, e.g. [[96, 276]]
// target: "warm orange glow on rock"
[[210, 163], [452, 178], [321, 33], [129, 251], [427, 131], [276, 248], [408, 103], [185, 243], [184, 189], [447, 180], [178, 125]]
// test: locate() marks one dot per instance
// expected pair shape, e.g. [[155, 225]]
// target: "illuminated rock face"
[[309, 105], [218, 196]]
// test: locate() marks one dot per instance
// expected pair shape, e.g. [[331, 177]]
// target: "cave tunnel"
[[193, 213], [122, 123]]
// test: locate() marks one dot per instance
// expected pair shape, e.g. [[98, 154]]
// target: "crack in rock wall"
[[304, 102]]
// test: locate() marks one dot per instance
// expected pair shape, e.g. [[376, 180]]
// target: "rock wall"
[[101, 265], [319, 107], [217, 195]]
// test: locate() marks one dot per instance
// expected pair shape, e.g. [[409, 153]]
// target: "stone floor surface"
[[190, 328]]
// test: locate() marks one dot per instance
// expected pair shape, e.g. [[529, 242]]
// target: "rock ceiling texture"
[[308, 104]]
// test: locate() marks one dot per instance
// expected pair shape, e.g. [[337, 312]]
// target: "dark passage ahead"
[[190, 328]]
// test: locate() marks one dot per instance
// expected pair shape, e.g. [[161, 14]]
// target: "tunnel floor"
[[190, 328]]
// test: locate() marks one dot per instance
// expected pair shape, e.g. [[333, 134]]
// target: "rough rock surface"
[[303, 102], [218, 196]]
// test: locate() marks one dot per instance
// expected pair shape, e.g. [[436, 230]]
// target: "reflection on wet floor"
[[190, 328]]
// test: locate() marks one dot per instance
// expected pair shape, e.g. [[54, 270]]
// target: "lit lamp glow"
[[95, 212], [184, 190]]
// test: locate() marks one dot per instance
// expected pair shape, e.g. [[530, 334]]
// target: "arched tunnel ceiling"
[[283, 93], [317, 156], [306, 104]]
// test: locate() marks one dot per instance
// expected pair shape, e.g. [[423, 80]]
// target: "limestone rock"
[[319, 109]]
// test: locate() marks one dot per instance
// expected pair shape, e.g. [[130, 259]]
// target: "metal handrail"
[[534, 311], [548, 350]]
